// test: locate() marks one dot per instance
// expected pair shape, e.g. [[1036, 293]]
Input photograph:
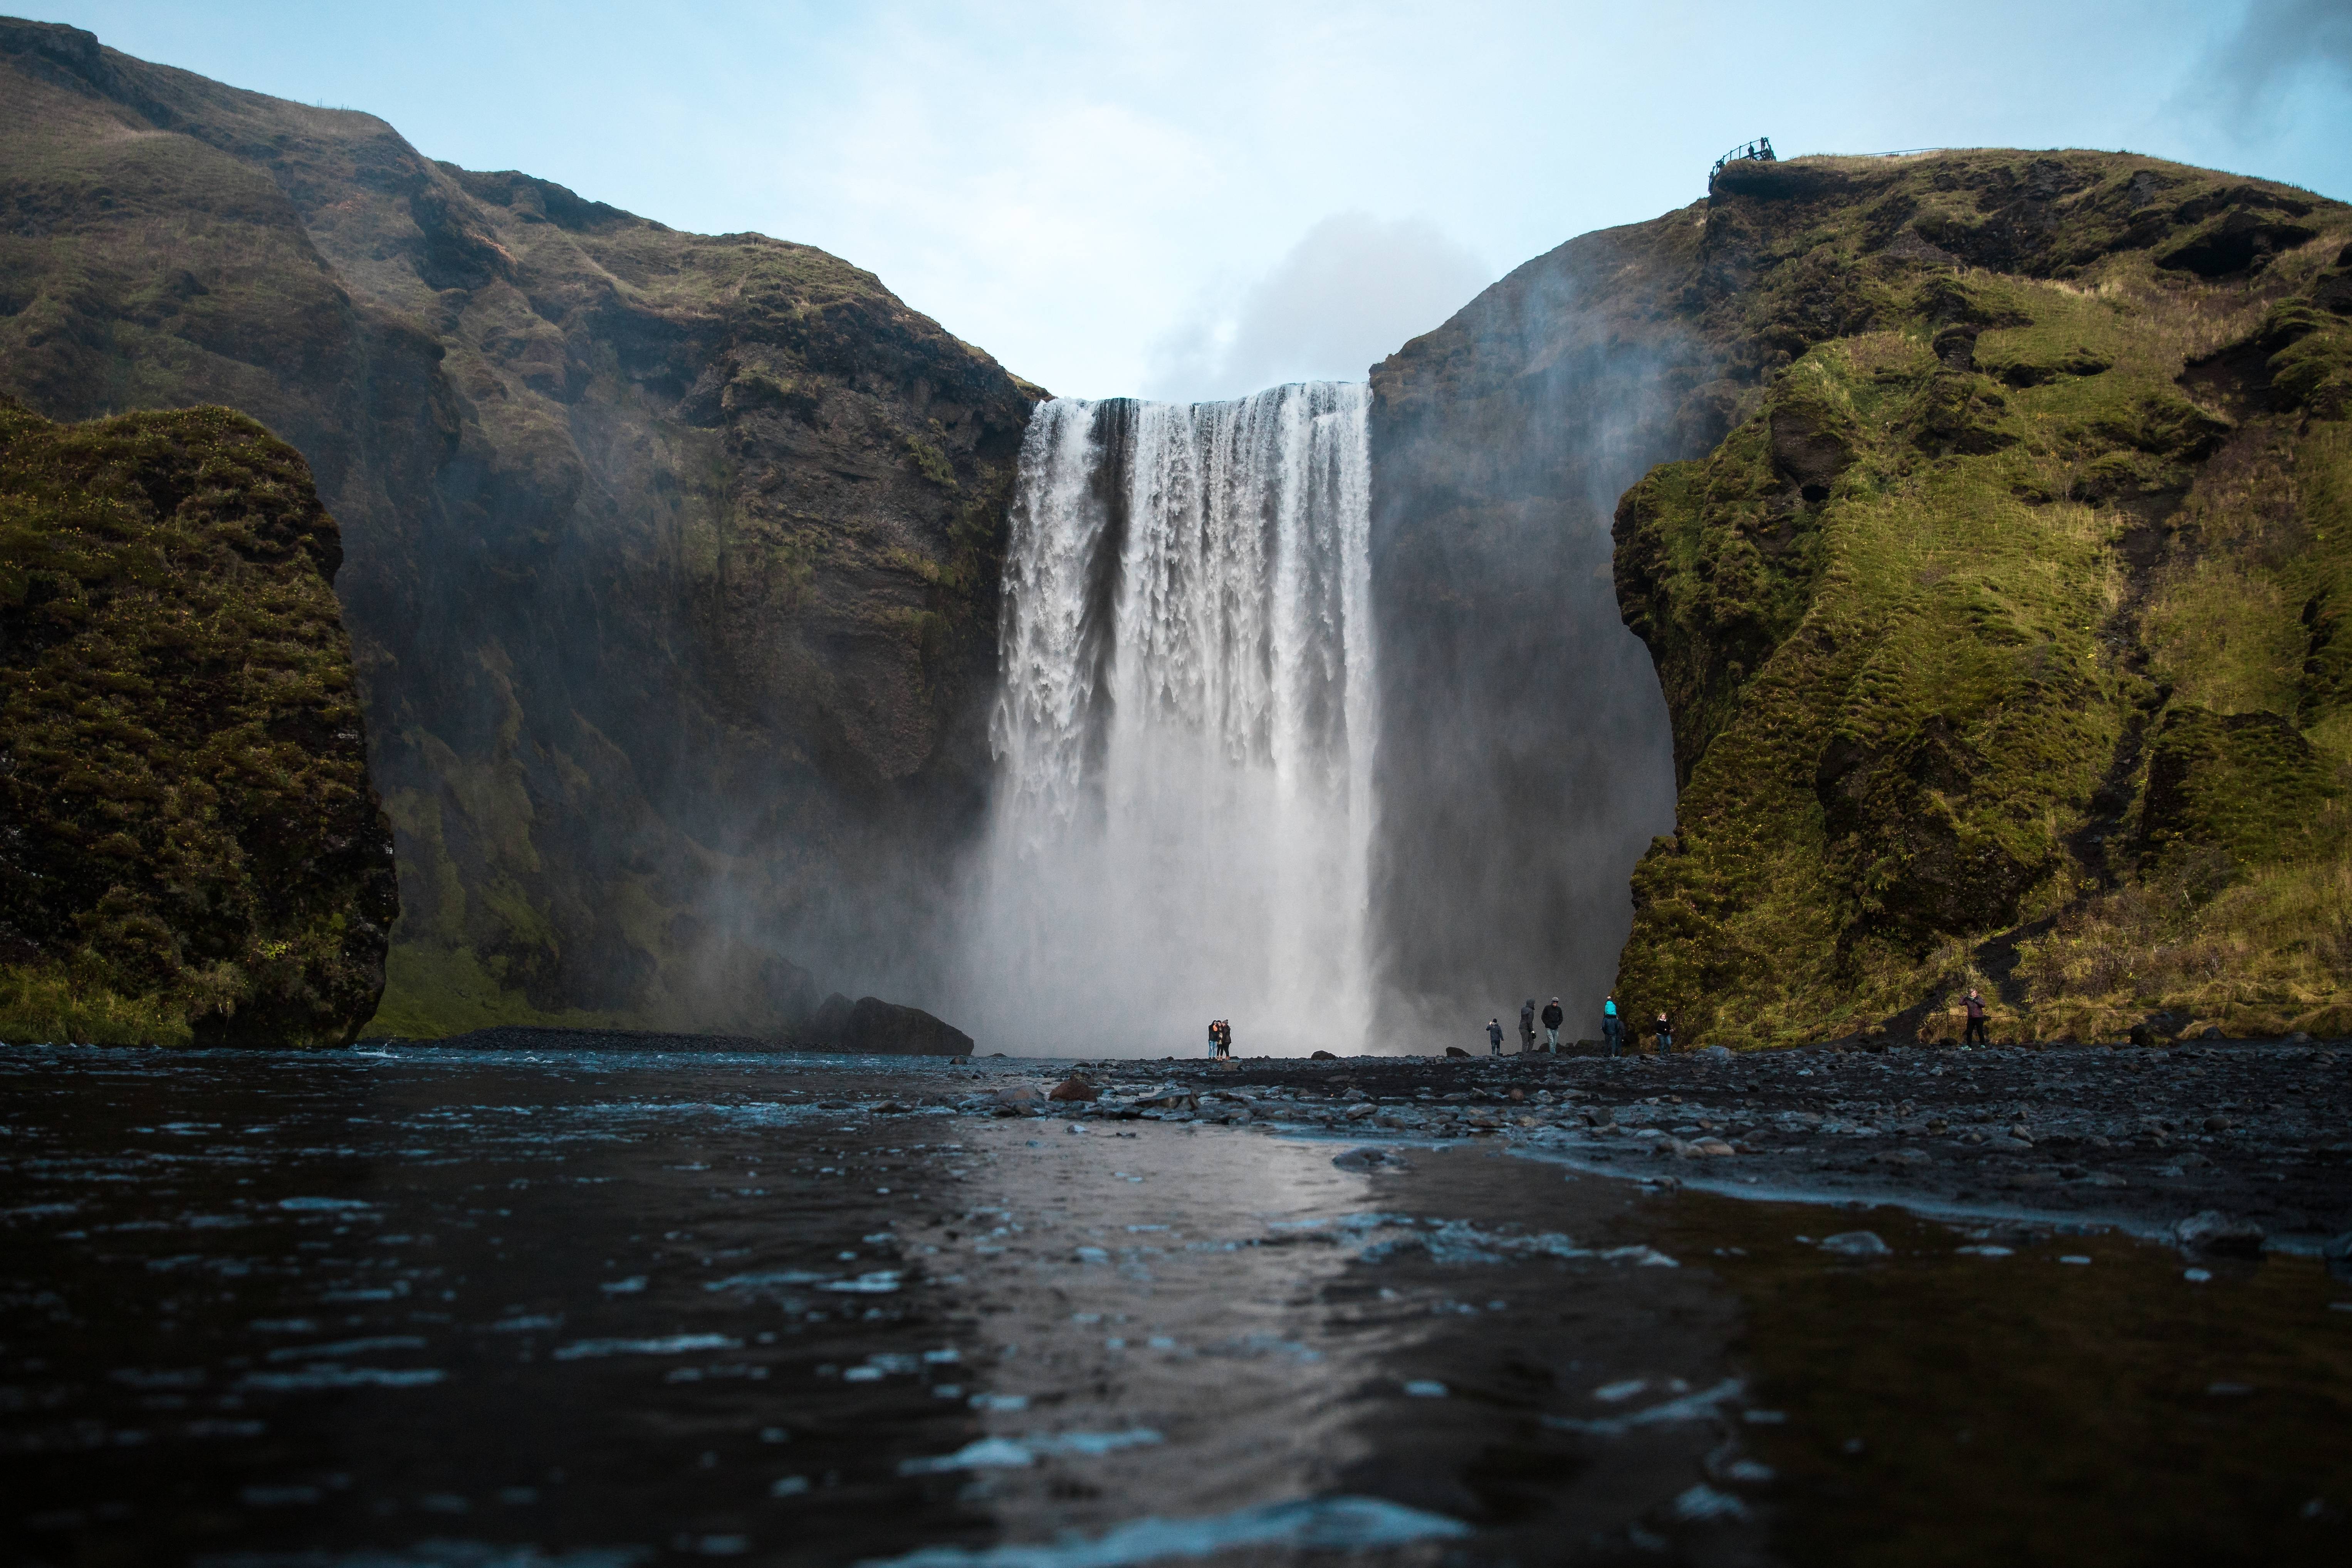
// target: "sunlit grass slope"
[[2001, 633]]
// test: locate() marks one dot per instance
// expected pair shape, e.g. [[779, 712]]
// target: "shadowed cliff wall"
[[1524, 762]]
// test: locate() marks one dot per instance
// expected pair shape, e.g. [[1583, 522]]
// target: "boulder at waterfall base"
[[871, 1027]]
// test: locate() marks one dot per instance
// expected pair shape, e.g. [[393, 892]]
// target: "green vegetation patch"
[[2013, 604], [193, 852]]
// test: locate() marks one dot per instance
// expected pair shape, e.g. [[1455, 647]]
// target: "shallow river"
[[436, 1308]]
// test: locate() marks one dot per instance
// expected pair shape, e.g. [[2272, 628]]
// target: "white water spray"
[[1183, 730]]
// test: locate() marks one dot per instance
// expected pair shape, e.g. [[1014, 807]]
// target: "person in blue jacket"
[[1612, 1026]]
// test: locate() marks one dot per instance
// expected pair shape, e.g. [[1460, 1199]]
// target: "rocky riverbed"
[[2141, 1139], [589, 1308]]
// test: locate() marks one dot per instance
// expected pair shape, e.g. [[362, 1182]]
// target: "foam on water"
[[1320, 1524]]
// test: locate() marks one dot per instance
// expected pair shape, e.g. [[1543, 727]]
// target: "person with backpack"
[[1494, 1036], [1552, 1017], [1613, 1027], [1528, 1028]]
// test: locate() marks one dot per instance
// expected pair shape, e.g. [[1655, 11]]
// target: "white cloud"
[[1349, 292]]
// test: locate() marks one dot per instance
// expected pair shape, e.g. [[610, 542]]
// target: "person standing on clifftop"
[[1552, 1017], [1528, 1028], [1975, 1029], [1613, 1027], [1494, 1036]]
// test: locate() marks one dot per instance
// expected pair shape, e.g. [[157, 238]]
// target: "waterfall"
[[1182, 731]]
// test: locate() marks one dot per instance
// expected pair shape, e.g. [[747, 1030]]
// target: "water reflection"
[[433, 1308]]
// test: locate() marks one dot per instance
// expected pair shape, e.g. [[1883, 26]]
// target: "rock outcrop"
[[672, 559], [871, 1027], [190, 849]]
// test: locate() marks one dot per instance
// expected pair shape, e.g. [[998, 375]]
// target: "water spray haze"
[[1184, 731]]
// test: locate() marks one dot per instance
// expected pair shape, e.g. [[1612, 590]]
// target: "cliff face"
[[2001, 631], [1522, 766], [192, 852], [671, 559]]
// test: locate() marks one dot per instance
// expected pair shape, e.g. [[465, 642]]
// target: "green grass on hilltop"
[[2011, 607]]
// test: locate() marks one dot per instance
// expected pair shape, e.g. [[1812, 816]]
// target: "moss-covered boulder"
[[190, 849]]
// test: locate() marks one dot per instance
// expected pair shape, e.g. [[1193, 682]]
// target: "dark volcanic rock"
[[875, 1027], [2222, 1236], [190, 850], [672, 559]]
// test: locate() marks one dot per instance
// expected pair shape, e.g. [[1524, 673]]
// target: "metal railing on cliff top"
[[1760, 151]]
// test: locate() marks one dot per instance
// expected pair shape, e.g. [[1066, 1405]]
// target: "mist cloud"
[[1352, 290], [2279, 45]]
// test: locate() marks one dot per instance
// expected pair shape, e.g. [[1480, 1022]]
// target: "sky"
[[1197, 200]]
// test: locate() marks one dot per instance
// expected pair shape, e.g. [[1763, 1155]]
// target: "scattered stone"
[[1856, 1244], [1456, 1051], [2218, 1235], [1382, 1160], [1322, 1057], [1074, 1088]]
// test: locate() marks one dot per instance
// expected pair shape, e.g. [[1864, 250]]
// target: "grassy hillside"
[[2000, 631], [193, 852]]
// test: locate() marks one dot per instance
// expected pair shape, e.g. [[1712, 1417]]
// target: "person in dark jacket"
[[1975, 1032], [1551, 1022], [1528, 1028], [1665, 1028], [1494, 1036]]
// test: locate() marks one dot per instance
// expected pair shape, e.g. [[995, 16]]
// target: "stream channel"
[[392, 1308]]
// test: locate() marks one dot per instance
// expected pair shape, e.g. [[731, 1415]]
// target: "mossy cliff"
[[671, 558], [2007, 631], [190, 850]]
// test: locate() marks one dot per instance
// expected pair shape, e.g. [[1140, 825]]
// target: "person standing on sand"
[[1975, 1029], [1528, 1028], [1552, 1017], [1494, 1036], [1613, 1027]]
